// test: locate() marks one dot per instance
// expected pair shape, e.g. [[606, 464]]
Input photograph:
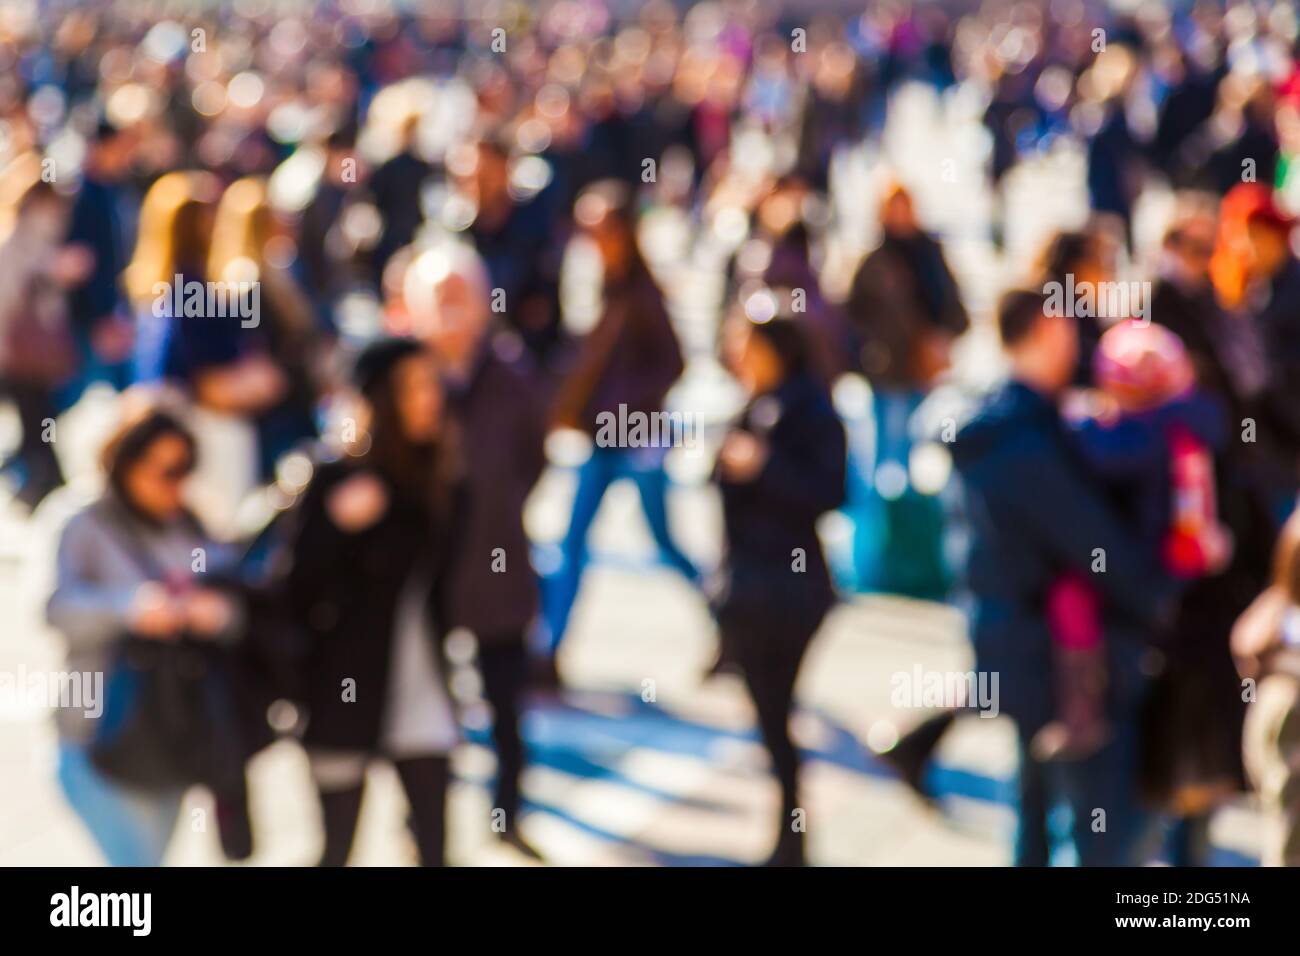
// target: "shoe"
[[513, 838], [722, 665], [910, 757], [544, 675], [789, 849], [235, 827]]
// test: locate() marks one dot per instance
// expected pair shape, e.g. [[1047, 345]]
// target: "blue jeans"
[[645, 467], [1106, 781], [132, 827]]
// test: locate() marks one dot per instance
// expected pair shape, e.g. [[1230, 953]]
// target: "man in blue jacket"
[[1035, 514]]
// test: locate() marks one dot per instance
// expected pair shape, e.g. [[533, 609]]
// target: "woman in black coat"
[[780, 468], [373, 541]]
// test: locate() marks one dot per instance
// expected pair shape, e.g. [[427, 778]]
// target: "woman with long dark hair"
[[369, 555], [780, 468], [624, 369], [129, 566]]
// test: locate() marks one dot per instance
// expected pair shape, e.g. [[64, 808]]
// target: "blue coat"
[[1035, 514]]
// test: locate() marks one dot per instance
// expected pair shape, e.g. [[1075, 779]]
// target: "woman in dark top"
[[624, 369], [779, 469], [373, 542]]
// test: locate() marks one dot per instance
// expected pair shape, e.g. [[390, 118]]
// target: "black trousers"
[[425, 781], [503, 664], [770, 649], [42, 474]]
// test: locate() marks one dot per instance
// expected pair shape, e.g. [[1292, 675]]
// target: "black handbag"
[[170, 714], [169, 717]]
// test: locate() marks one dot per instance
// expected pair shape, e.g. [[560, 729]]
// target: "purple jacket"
[[630, 358]]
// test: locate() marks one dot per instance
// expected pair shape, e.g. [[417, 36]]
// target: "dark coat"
[[1113, 155], [773, 517], [1278, 320], [1035, 515], [1195, 713], [501, 413], [396, 187], [96, 223], [345, 589], [902, 291]]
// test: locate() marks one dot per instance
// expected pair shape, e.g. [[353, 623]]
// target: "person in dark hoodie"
[[495, 395], [374, 540], [779, 469], [1035, 515], [623, 371]]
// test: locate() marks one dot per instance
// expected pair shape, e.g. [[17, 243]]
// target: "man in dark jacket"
[[1035, 516], [495, 397], [906, 310]]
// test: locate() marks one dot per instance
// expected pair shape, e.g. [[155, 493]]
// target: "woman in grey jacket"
[[132, 563]]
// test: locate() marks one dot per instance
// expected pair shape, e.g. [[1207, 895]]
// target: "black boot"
[[234, 824], [789, 847], [339, 809], [911, 755]]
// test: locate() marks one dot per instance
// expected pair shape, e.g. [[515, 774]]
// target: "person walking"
[[624, 369], [494, 394], [370, 552], [37, 350], [126, 568], [1035, 516], [906, 310], [781, 466]]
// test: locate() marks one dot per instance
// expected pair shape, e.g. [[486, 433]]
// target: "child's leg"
[[1079, 664]]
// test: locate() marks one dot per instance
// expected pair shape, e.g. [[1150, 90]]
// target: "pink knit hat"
[[1142, 364]]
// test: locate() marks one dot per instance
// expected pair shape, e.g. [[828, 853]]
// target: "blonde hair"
[[169, 222], [244, 225], [19, 180]]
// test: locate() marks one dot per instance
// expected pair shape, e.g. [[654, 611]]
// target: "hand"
[[265, 384], [932, 356], [73, 264], [742, 456], [357, 503], [206, 611], [1258, 632], [154, 613]]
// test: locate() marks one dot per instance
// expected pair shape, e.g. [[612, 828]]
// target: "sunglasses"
[[175, 474]]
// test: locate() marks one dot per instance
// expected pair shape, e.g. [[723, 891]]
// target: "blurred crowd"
[[350, 264]]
